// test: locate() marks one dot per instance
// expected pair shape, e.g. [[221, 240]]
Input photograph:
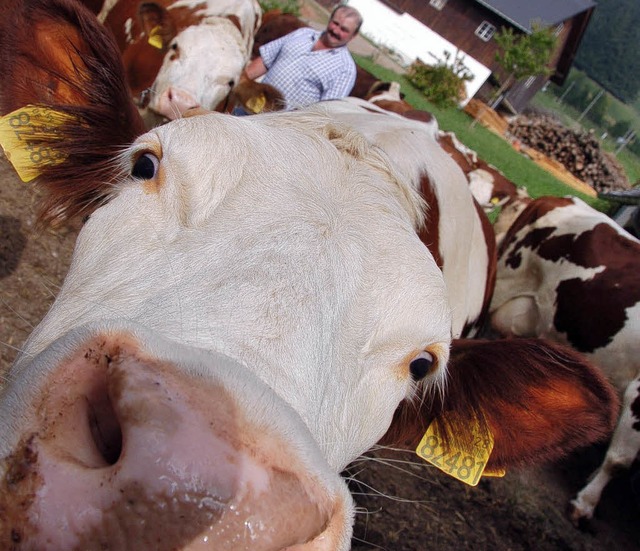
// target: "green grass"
[[631, 164], [493, 149]]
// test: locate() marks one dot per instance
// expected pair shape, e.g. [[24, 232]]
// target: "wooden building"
[[470, 25]]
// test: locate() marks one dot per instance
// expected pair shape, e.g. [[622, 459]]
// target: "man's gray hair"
[[348, 12]]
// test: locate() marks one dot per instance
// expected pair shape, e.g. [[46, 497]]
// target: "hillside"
[[608, 50]]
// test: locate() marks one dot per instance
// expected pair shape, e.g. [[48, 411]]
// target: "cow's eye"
[[145, 167], [175, 52], [422, 365]]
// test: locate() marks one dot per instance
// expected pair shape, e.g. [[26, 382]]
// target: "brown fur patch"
[[430, 232]]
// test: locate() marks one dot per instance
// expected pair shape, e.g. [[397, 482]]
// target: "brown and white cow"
[[182, 54], [275, 24], [489, 185], [569, 273], [249, 308]]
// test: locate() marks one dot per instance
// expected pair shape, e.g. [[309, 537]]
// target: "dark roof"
[[523, 13]]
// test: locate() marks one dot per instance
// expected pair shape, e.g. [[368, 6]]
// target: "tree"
[[521, 56], [524, 55]]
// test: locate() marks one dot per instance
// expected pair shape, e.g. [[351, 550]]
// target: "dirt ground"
[[403, 504]]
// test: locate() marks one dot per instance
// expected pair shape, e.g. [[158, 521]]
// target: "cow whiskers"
[[397, 464], [17, 314], [377, 493]]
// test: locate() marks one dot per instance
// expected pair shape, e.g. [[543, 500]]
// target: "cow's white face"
[[293, 299], [203, 63], [481, 185]]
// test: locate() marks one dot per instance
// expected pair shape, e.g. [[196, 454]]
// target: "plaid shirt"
[[303, 76]]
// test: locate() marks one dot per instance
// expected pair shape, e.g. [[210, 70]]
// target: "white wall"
[[409, 39]]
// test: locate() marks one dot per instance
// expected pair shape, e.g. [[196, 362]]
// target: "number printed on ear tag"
[[19, 135], [467, 465]]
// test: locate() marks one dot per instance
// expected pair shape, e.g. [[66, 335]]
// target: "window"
[[529, 82], [558, 29], [438, 4], [485, 31]]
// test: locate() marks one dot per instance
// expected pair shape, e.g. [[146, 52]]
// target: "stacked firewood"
[[579, 152]]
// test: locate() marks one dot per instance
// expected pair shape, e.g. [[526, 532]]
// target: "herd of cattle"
[[255, 302]]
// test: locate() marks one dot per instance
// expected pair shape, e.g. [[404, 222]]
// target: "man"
[[308, 66]]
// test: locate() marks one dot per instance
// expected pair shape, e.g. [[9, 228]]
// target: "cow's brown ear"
[[255, 97], [157, 26], [539, 400], [58, 57]]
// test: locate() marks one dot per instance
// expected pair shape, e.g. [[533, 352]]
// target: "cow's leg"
[[518, 316], [622, 451]]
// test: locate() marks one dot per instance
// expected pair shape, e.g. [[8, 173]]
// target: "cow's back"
[[568, 272]]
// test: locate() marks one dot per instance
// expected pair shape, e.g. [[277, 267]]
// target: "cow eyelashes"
[[145, 166], [422, 365]]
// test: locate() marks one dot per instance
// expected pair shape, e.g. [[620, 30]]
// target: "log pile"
[[486, 116], [579, 152]]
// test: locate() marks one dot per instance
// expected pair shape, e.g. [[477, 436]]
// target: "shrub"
[[285, 6], [442, 83]]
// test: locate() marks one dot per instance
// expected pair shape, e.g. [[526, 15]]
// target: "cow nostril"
[[104, 426]]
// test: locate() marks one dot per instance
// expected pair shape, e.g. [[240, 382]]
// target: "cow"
[[388, 96], [250, 307], [181, 54], [275, 24], [568, 272], [490, 187]]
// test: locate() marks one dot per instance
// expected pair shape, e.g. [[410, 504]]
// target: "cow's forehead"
[[271, 153], [283, 201]]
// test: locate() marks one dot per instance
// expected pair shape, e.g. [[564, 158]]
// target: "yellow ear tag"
[[494, 473], [155, 39], [495, 200], [256, 105], [17, 133], [466, 465]]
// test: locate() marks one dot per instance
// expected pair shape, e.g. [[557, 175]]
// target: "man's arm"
[[269, 52], [254, 69]]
